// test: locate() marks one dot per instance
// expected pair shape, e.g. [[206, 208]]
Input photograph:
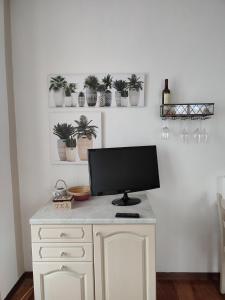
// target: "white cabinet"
[[68, 281], [124, 259]]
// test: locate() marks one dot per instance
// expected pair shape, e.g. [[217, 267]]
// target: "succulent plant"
[[120, 85], [124, 93], [69, 89], [135, 83], [57, 83], [107, 81], [71, 142], [101, 88], [91, 82], [63, 130], [81, 94], [84, 129]]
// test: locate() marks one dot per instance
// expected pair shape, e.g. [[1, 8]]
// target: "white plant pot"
[[101, 99], [118, 98], [74, 99], [134, 97], [81, 101], [91, 97], [108, 98], [61, 147], [59, 97], [68, 101], [70, 154], [124, 101]]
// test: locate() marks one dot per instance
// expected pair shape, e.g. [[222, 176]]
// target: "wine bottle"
[[166, 93]]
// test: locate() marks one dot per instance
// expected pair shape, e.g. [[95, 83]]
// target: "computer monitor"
[[123, 170]]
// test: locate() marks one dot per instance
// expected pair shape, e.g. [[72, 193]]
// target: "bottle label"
[[166, 98]]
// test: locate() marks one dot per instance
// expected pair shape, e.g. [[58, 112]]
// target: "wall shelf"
[[192, 111]]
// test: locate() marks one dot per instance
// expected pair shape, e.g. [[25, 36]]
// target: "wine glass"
[[165, 132]]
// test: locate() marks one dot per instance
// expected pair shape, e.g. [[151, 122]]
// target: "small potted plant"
[[134, 85], [107, 81], [101, 98], [85, 133], [120, 86], [73, 87], [68, 98], [81, 99], [71, 149], [57, 85], [124, 98], [91, 85], [63, 131]]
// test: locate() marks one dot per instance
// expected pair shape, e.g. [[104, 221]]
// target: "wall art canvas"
[[96, 90], [72, 134]]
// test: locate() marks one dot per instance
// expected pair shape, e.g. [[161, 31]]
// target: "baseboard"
[[186, 276], [18, 283]]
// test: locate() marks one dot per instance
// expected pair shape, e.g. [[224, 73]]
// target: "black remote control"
[[127, 215]]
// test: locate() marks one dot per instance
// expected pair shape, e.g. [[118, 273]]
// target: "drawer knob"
[[63, 254], [62, 234]]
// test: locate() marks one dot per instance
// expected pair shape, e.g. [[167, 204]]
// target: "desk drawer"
[[62, 252], [64, 233]]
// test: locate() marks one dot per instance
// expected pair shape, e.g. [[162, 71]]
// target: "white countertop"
[[97, 210]]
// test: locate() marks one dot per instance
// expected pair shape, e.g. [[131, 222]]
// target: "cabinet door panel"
[[70, 281], [124, 260]]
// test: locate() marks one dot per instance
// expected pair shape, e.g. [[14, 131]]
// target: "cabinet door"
[[67, 281], [124, 258]]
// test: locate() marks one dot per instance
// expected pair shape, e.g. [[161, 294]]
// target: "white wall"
[[9, 269], [183, 40]]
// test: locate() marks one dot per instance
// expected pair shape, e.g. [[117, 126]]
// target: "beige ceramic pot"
[[70, 154], [83, 144], [61, 146]]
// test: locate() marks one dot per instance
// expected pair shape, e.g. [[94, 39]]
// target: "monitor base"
[[126, 201]]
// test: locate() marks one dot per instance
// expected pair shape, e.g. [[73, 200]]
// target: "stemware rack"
[[192, 111]]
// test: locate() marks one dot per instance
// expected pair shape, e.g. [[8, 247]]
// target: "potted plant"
[[91, 85], [120, 86], [81, 99], [85, 133], [73, 87], [68, 98], [57, 85], [134, 85], [124, 98], [71, 149], [63, 131], [101, 90], [107, 81]]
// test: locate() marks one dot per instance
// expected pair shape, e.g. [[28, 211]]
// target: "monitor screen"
[[126, 169]]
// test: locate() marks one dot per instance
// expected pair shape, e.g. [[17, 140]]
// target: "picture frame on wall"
[[86, 90], [72, 134]]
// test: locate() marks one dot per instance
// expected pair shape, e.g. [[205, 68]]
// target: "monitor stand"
[[126, 201]]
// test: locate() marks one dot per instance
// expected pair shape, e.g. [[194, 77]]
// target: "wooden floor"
[[172, 289]]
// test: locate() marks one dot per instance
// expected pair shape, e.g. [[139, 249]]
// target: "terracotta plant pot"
[[59, 97], [83, 144], [134, 97], [61, 146], [118, 98], [91, 96], [70, 154]]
